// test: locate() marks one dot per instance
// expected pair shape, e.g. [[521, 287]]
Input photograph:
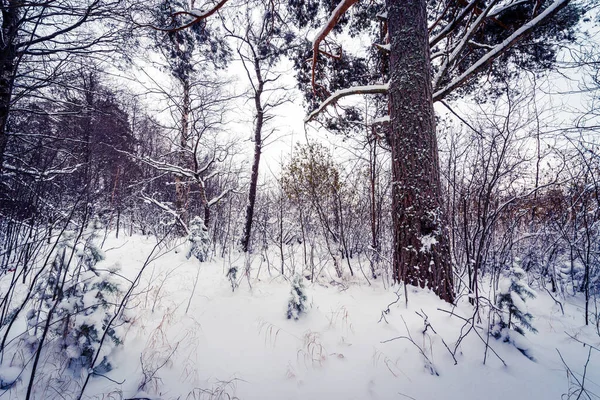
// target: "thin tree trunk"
[[260, 114], [374, 226], [181, 188], [421, 248]]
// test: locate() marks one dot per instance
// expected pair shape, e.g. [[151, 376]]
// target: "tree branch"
[[499, 49], [341, 8], [371, 89], [197, 16]]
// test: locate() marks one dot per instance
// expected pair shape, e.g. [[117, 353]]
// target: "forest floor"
[[210, 342]]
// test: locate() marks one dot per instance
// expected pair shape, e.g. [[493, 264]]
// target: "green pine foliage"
[[232, 276], [297, 302], [513, 317], [81, 302], [87, 313]]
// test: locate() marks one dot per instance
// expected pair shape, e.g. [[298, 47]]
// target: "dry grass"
[[391, 365], [312, 352], [340, 316], [221, 390]]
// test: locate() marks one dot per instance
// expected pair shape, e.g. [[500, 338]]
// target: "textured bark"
[[416, 192], [8, 66]]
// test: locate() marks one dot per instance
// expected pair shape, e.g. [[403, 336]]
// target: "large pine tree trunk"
[[421, 248]]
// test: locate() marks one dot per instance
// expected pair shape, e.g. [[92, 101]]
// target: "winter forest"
[[288, 199]]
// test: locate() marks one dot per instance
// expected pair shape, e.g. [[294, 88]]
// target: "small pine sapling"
[[88, 310], [297, 302], [514, 318], [91, 252], [82, 300], [232, 276], [198, 240]]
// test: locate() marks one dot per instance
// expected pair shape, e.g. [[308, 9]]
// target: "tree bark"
[[181, 187], [421, 247], [8, 67], [374, 209], [260, 116]]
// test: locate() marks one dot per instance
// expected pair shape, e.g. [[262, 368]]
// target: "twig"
[[428, 362], [582, 342], [387, 310], [556, 301], [106, 377], [428, 325], [487, 345]]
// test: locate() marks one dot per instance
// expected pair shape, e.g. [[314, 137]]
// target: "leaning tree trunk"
[[260, 116], [421, 247], [8, 66]]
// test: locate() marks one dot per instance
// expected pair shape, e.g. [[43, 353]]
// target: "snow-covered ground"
[[241, 345]]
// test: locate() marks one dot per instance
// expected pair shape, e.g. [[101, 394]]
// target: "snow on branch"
[[501, 9], [450, 27], [167, 209], [215, 200], [463, 42], [381, 120], [196, 16], [46, 175], [341, 8], [499, 49], [166, 167], [371, 89]]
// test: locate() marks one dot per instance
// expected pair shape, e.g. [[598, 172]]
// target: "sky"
[[559, 96]]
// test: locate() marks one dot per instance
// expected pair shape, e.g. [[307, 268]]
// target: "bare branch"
[[371, 89]]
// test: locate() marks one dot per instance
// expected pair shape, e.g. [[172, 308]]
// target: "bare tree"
[[263, 37], [39, 40]]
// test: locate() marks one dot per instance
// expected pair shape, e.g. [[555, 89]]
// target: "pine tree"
[[198, 240], [514, 316], [429, 52], [297, 302], [232, 276], [84, 298]]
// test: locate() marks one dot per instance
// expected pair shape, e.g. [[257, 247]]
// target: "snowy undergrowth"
[[241, 343]]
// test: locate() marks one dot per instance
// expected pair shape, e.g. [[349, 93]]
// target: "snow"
[[518, 302], [332, 20], [8, 375], [498, 49], [504, 285], [386, 47], [426, 242], [242, 344], [381, 120]]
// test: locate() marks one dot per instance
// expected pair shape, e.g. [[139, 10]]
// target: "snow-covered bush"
[[297, 302], [513, 318], [81, 302], [9, 376], [198, 240], [88, 310]]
